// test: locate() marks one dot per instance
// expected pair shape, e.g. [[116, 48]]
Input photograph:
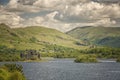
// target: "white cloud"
[[80, 8], [47, 3], [105, 22], [13, 3], [10, 19], [47, 21], [93, 10], [37, 21]]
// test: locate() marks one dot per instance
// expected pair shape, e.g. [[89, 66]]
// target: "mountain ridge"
[[35, 37], [97, 35]]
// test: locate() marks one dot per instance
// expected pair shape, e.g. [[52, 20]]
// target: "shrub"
[[118, 59], [13, 67], [33, 39], [16, 76], [2, 77], [3, 74], [11, 72]]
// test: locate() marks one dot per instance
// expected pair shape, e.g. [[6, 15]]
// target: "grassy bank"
[[12, 54], [11, 72], [118, 59]]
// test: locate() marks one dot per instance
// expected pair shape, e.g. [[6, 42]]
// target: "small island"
[[86, 59]]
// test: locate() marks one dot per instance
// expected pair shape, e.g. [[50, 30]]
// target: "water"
[[66, 69]]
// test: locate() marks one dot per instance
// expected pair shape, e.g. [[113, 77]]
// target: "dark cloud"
[[26, 2], [107, 1]]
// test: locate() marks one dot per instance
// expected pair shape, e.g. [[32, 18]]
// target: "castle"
[[30, 55]]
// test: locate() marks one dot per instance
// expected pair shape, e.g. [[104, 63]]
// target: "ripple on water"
[[67, 69]]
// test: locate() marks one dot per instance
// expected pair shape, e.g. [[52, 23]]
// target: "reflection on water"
[[66, 69], [107, 60]]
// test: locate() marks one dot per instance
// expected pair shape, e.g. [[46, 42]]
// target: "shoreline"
[[43, 59], [46, 59]]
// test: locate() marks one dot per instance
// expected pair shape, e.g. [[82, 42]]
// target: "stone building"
[[30, 55]]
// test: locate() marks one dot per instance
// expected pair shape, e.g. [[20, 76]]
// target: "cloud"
[[11, 19], [13, 4], [47, 3], [61, 14], [21, 6], [50, 22], [92, 11], [107, 1], [104, 22], [26, 2]]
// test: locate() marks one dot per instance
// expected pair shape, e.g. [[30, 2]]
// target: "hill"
[[105, 36], [35, 37], [7, 35]]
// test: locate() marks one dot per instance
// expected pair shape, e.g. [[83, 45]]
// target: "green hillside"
[[8, 36], [52, 43], [35, 38], [106, 36]]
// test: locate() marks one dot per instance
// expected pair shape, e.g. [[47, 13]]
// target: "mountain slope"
[[35, 38], [7, 35], [107, 36]]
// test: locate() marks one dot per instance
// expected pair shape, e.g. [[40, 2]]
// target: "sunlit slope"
[[8, 36], [107, 36], [35, 37]]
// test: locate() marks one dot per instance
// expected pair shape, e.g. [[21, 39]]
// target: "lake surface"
[[66, 69]]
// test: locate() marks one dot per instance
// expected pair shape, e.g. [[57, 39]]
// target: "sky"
[[62, 15]]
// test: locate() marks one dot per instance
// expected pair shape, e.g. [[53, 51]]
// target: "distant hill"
[[106, 36], [35, 37]]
